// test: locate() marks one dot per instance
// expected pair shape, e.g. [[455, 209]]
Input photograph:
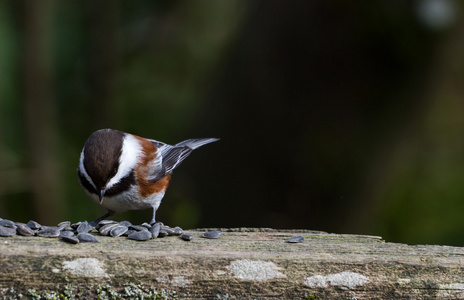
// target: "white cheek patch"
[[83, 171], [131, 151]]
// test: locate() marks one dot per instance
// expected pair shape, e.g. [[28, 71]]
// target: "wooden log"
[[243, 264]]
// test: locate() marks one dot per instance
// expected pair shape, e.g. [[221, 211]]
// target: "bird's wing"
[[169, 157]]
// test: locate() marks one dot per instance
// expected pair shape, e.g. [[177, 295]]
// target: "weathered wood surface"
[[239, 265]]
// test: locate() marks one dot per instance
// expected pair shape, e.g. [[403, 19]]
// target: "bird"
[[121, 171]]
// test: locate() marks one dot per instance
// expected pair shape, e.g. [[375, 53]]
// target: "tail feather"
[[196, 143]]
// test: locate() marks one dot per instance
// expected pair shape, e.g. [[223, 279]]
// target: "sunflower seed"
[[118, 230], [84, 227], [162, 233], [127, 233], [145, 224], [66, 233], [49, 232], [140, 235], [23, 229], [168, 230], [105, 230], [139, 228], [103, 223], [125, 223], [75, 225], [7, 223], [7, 231], [64, 224], [212, 234], [85, 237], [178, 230], [33, 225], [155, 229], [70, 239], [296, 239], [187, 236]]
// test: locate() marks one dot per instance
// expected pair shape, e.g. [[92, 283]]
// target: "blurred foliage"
[[332, 116]]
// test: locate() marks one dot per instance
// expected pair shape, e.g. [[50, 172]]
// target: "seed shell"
[[125, 223], [127, 233], [145, 224], [70, 239], [296, 239], [140, 235], [7, 223], [139, 227], [23, 229], [49, 232], [84, 227], [187, 236], [7, 231], [118, 230], [106, 229], [162, 233], [64, 224], [168, 230], [104, 222], [87, 238], [155, 230], [212, 234], [66, 233], [178, 230], [33, 225]]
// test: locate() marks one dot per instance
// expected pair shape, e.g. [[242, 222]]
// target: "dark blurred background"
[[333, 116]]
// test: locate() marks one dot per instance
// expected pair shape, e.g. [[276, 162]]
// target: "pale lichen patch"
[[343, 280], [254, 270], [451, 290], [180, 281], [86, 267]]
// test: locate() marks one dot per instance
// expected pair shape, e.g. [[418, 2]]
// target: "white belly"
[[129, 200]]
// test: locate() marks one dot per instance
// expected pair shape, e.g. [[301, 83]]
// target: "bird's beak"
[[102, 193]]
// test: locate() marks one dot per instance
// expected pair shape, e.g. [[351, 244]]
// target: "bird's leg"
[[108, 214], [153, 221]]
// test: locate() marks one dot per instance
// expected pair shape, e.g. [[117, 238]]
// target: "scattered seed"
[[7, 231], [104, 222], [70, 239], [33, 225], [118, 230], [139, 228], [84, 227], [178, 230], [127, 233], [7, 223], [106, 229], [75, 225], [212, 234], [140, 235], [296, 239], [187, 236], [49, 232], [155, 230], [23, 229], [85, 237], [168, 230], [66, 233], [64, 224], [145, 224], [125, 223], [162, 233]]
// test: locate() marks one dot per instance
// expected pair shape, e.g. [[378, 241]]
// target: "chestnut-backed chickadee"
[[121, 171]]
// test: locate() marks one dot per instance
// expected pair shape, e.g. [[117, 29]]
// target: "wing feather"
[[170, 157]]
